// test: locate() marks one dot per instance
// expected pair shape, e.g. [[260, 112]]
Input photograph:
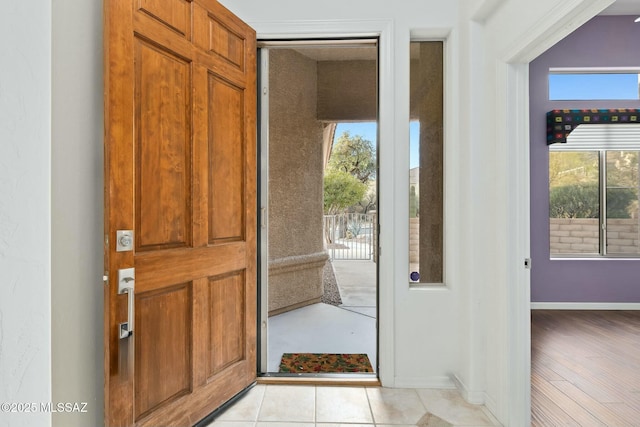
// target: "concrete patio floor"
[[324, 328]]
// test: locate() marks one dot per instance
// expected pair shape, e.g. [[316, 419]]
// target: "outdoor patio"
[[325, 328]]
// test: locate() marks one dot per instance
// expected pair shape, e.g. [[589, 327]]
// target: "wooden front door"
[[180, 174]]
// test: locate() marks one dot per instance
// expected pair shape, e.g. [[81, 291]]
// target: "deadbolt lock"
[[124, 240]]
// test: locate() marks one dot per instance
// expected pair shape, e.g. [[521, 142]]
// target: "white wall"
[[25, 230], [51, 209], [77, 211]]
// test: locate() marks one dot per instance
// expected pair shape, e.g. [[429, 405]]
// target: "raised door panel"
[[227, 161], [174, 14], [226, 321], [163, 148], [226, 43], [163, 334]]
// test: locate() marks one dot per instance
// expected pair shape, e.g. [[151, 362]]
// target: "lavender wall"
[[605, 41]]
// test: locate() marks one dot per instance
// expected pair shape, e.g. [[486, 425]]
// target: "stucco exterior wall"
[[296, 253], [429, 92], [346, 91]]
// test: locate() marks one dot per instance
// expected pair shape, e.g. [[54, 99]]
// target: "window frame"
[[602, 215], [426, 279]]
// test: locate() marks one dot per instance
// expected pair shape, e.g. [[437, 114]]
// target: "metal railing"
[[351, 236]]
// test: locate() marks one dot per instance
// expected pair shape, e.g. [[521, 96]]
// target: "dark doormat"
[[324, 362]]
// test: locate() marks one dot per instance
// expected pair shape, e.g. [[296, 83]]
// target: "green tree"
[[369, 201], [354, 155], [341, 190]]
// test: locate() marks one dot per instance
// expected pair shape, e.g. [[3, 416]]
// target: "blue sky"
[[592, 86], [367, 130]]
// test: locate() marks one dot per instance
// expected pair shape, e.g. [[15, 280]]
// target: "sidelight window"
[[426, 174]]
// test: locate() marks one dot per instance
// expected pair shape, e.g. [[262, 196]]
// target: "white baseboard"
[[585, 306], [443, 382], [491, 409], [473, 397], [477, 398]]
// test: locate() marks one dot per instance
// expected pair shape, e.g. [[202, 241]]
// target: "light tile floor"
[[326, 406], [350, 328]]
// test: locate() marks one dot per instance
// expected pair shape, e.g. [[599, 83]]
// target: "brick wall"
[[580, 236]]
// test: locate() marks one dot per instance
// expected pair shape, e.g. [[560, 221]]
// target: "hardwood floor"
[[585, 368]]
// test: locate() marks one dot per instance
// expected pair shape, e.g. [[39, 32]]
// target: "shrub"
[[574, 201], [583, 201]]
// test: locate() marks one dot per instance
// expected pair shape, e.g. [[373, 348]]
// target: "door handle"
[[126, 285]]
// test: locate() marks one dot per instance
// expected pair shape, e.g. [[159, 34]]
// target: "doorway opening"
[[318, 112]]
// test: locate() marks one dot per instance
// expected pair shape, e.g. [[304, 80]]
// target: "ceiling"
[[623, 7], [369, 52]]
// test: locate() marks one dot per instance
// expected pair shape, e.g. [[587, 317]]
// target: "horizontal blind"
[[601, 137]]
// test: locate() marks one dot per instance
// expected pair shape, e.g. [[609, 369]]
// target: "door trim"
[[351, 31], [513, 69], [263, 207]]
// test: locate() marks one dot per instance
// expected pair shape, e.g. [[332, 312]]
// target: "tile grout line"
[[424, 407], [264, 394], [373, 418]]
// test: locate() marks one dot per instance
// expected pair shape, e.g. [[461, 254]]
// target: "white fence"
[[351, 236]]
